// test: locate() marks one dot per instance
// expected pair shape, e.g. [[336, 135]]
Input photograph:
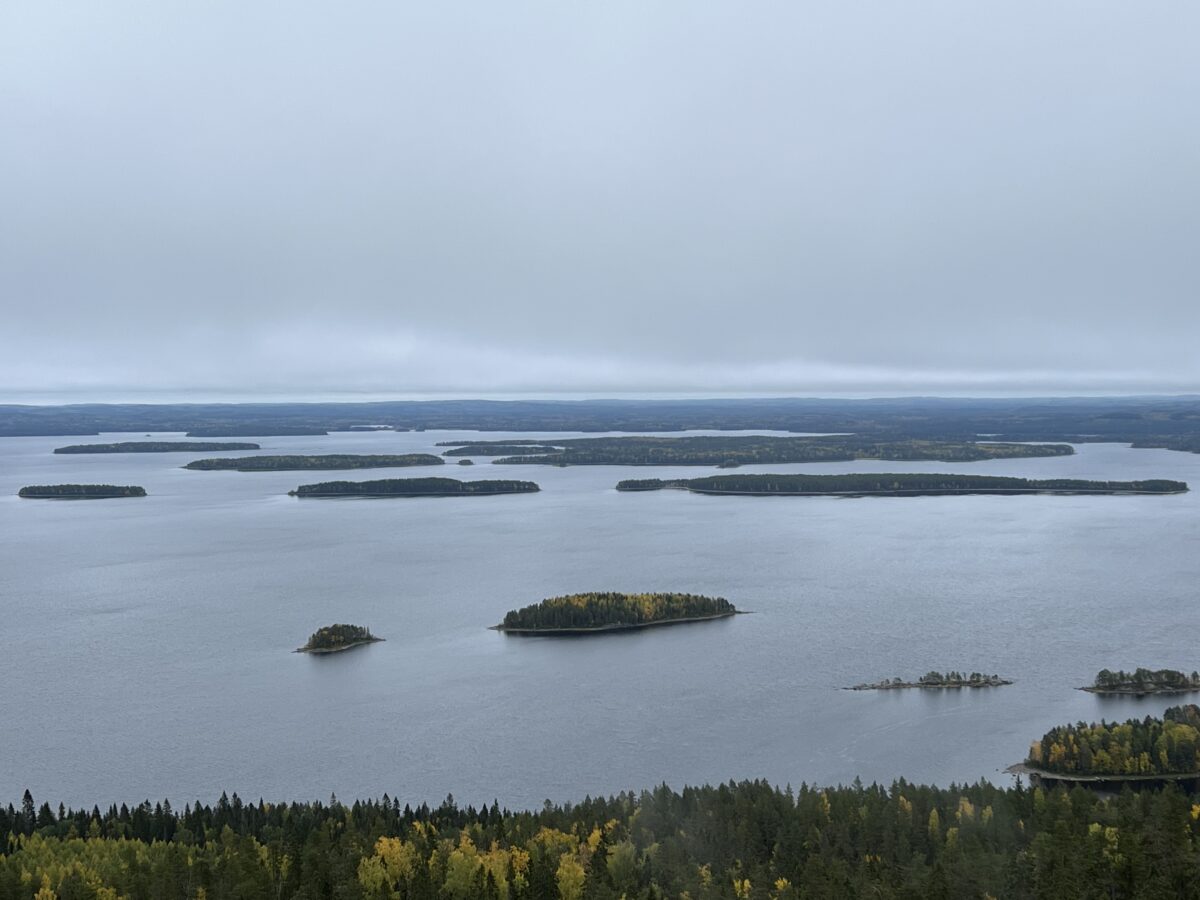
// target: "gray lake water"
[[146, 643]]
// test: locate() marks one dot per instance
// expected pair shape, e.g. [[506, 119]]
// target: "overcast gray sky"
[[795, 197]]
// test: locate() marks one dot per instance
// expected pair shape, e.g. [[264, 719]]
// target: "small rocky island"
[[894, 485], [335, 638], [589, 613], [327, 461], [936, 680], [1141, 682], [413, 487], [156, 447], [80, 491]]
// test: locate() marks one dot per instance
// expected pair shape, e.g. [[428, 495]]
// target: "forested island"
[[1142, 748], [587, 613], [1143, 681], [327, 461], [895, 485], [413, 487], [156, 447], [733, 450], [748, 839], [80, 491], [335, 638], [935, 680]]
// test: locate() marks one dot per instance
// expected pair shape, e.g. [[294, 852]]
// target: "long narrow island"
[[413, 487], [326, 461], [895, 485], [336, 638], [590, 613], [1141, 682], [935, 681], [728, 451], [80, 491], [157, 447]]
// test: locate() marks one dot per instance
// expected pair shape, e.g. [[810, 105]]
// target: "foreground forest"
[[745, 840]]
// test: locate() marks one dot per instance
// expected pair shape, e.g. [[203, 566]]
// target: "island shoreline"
[[609, 629]]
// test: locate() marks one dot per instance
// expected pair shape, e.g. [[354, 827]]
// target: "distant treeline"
[[1166, 746], [80, 491], [1153, 421], [897, 484], [264, 429], [329, 461], [609, 609], [155, 447], [720, 450], [1187, 444], [735, 841], [412, 487]]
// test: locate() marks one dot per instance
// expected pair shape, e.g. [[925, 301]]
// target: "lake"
[[147, 642]]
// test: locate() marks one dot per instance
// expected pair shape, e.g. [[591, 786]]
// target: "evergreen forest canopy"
[[732, 841], [1144, 681], [1166, 746], [338, 637], [724, 450], [328, 461], [413, 487], [898, 484], [80, 491], [1147, 421], [157, 447], [605, 610]]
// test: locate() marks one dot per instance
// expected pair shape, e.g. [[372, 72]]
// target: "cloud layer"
[[537, 196]]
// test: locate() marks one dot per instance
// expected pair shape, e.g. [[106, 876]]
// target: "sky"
[[389, 198]]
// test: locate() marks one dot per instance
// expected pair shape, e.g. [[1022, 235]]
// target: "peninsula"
[[726, 451], [936, 680], [895, 485], [590, 613], [1136, 750], [335, 638], [157, 447], [412, 487], [1141, 682], [80, 491], [329, 461]]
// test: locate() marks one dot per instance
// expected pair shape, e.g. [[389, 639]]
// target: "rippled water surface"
[[146, 643]]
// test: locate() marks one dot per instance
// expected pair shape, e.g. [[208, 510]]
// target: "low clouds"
[[534, 197]]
